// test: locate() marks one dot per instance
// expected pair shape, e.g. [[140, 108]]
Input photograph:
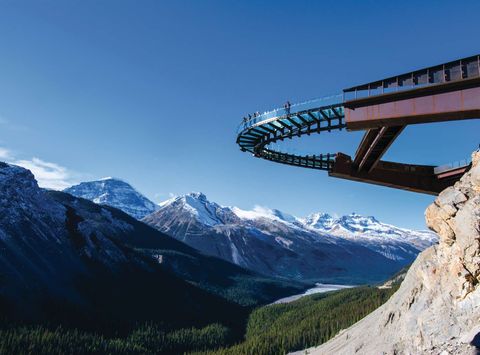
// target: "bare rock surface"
[[437, 308]]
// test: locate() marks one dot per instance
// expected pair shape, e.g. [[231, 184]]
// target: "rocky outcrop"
[[437, 308]]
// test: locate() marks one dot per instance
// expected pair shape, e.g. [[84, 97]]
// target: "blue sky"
[[152, 92]]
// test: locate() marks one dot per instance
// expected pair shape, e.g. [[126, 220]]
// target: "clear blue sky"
[[152, 92]]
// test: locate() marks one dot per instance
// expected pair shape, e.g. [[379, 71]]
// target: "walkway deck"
[[449, 91]]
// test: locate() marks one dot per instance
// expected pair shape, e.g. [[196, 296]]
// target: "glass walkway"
[[258, 131]]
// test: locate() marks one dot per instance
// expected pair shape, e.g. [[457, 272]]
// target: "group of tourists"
[[249, 117], [286, 106]]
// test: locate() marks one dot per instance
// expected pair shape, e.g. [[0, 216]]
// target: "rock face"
[[437, 308]]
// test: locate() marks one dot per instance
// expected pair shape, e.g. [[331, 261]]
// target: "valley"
[[319, 288], [99, 265], [272, 329], [351, 249], [239, 177]]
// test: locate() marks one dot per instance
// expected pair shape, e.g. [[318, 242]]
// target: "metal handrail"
[[297, 107], [462, 69], [452, 166]]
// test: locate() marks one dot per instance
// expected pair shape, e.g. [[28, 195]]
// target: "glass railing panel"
[[472, 69], [405, 81], [298, 107], [436, 76], [458, 70], [453, 72], [421, 78]]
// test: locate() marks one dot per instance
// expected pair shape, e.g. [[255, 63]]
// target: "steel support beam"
[[415, 178], [374, 145], [420, 106]]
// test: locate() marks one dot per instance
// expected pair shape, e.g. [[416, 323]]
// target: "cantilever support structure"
[[374, 144], [410, 177]]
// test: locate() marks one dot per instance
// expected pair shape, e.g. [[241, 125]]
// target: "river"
[[319, 288]]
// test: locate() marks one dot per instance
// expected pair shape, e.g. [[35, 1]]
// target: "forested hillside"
[[312, 320], [273, 329]]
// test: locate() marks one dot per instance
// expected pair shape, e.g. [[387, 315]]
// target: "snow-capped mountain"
[[196, 206], [320, 247], [320, 221], [391, 241], [58, 250], [50, 238], [115, 193]]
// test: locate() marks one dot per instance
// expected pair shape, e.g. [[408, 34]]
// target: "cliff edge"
[[437, 308]]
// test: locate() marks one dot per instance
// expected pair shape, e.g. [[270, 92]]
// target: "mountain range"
[[68, 259], [319, 247]]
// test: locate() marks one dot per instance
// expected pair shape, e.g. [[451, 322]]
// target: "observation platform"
[[383, 108]]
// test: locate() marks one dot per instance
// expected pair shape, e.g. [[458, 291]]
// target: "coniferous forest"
[[272, 329]]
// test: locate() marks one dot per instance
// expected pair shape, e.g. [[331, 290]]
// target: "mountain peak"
[[358, 222], [319, 216], [356, 215], [8, 170], [318, 220], [116, 193], [198, 195], [263, 212], [112, 180], [258, 238], [15, 177], [191, 197], [197, 205]]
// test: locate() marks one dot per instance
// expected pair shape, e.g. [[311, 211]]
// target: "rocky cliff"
[[437, 308]]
